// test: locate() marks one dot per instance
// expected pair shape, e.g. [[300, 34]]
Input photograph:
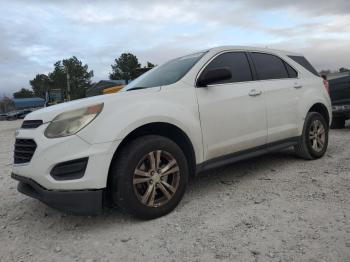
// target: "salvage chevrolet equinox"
[[137, 149]]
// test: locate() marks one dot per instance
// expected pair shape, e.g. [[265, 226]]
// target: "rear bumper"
[[88, 201]]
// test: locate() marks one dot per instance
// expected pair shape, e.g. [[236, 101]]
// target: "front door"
[[232, 112]]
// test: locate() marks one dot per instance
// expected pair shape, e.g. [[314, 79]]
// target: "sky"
[[35, 34]]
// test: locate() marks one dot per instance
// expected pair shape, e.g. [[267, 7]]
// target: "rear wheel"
[[338, 122], [314, 139], [149, 177]]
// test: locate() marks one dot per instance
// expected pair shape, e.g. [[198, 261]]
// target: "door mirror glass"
[[213, 75]]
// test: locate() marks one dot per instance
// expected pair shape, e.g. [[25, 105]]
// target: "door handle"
[[297, 86], [255, 92]]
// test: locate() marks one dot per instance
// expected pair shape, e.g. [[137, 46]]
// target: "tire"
[[146, 199], [338, 123], [306, 148]]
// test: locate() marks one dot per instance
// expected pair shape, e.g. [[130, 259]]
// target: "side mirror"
[[213, 75]]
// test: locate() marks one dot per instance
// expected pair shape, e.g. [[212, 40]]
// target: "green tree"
[[40, 84], [150, 65], [79, 77], [23, 93], [125, 67]]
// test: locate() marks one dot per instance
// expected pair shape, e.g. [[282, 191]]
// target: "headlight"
[[69, 123]]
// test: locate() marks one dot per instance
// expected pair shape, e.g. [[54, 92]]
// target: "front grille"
[[24, 150], [31, 123]]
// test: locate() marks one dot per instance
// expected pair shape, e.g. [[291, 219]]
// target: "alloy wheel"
[[156, 178], [317, 135]]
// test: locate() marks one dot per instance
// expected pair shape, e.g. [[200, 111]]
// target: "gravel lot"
[[272, 208]]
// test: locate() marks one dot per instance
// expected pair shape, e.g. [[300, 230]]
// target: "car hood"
[[47, 114]]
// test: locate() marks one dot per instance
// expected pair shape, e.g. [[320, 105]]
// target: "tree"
[[40, 85], [150, 65], [125, 67], [23, 93], [79, 77]]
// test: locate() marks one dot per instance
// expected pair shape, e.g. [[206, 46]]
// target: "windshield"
[[166, 74]]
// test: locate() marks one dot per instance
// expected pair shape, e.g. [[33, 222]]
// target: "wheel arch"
[[164, 129], [321, 109]]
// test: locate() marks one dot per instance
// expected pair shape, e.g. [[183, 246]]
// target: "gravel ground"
[[272, 208]]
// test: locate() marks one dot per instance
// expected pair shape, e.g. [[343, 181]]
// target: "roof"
[[28, 102], [251, 48]]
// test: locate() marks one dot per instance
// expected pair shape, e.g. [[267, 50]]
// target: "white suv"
[[137, 149]]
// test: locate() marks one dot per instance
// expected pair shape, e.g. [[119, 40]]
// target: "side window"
[[306, 64], [291, 72], [238, 64], [269, 66]]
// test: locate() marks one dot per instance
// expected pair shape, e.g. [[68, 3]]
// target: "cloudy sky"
[[35, 34]]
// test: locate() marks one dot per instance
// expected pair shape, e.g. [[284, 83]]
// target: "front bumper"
[[50, 152], [73, 201], [68, 173]]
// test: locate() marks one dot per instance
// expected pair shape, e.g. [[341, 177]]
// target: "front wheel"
[[314, 139], [149, 177]]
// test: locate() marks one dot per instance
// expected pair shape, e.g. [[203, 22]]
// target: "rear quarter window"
[[304, 63]]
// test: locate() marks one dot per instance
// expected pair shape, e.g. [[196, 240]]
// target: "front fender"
[[171, 106]]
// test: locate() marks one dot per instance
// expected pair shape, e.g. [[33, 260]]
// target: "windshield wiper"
[[137, 88]]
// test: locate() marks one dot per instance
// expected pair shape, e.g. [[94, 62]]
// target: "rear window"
[[269, 66], [304, 63]]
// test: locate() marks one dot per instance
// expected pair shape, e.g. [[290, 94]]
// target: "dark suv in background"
[[340, 96]]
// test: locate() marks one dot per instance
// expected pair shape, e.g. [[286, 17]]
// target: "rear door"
[[232, 112], [282, 90]]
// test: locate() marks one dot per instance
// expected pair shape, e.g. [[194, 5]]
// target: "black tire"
[[123, 173], [338, 123], [304, 148]]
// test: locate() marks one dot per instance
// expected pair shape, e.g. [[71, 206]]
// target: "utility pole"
[[68, 87]]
